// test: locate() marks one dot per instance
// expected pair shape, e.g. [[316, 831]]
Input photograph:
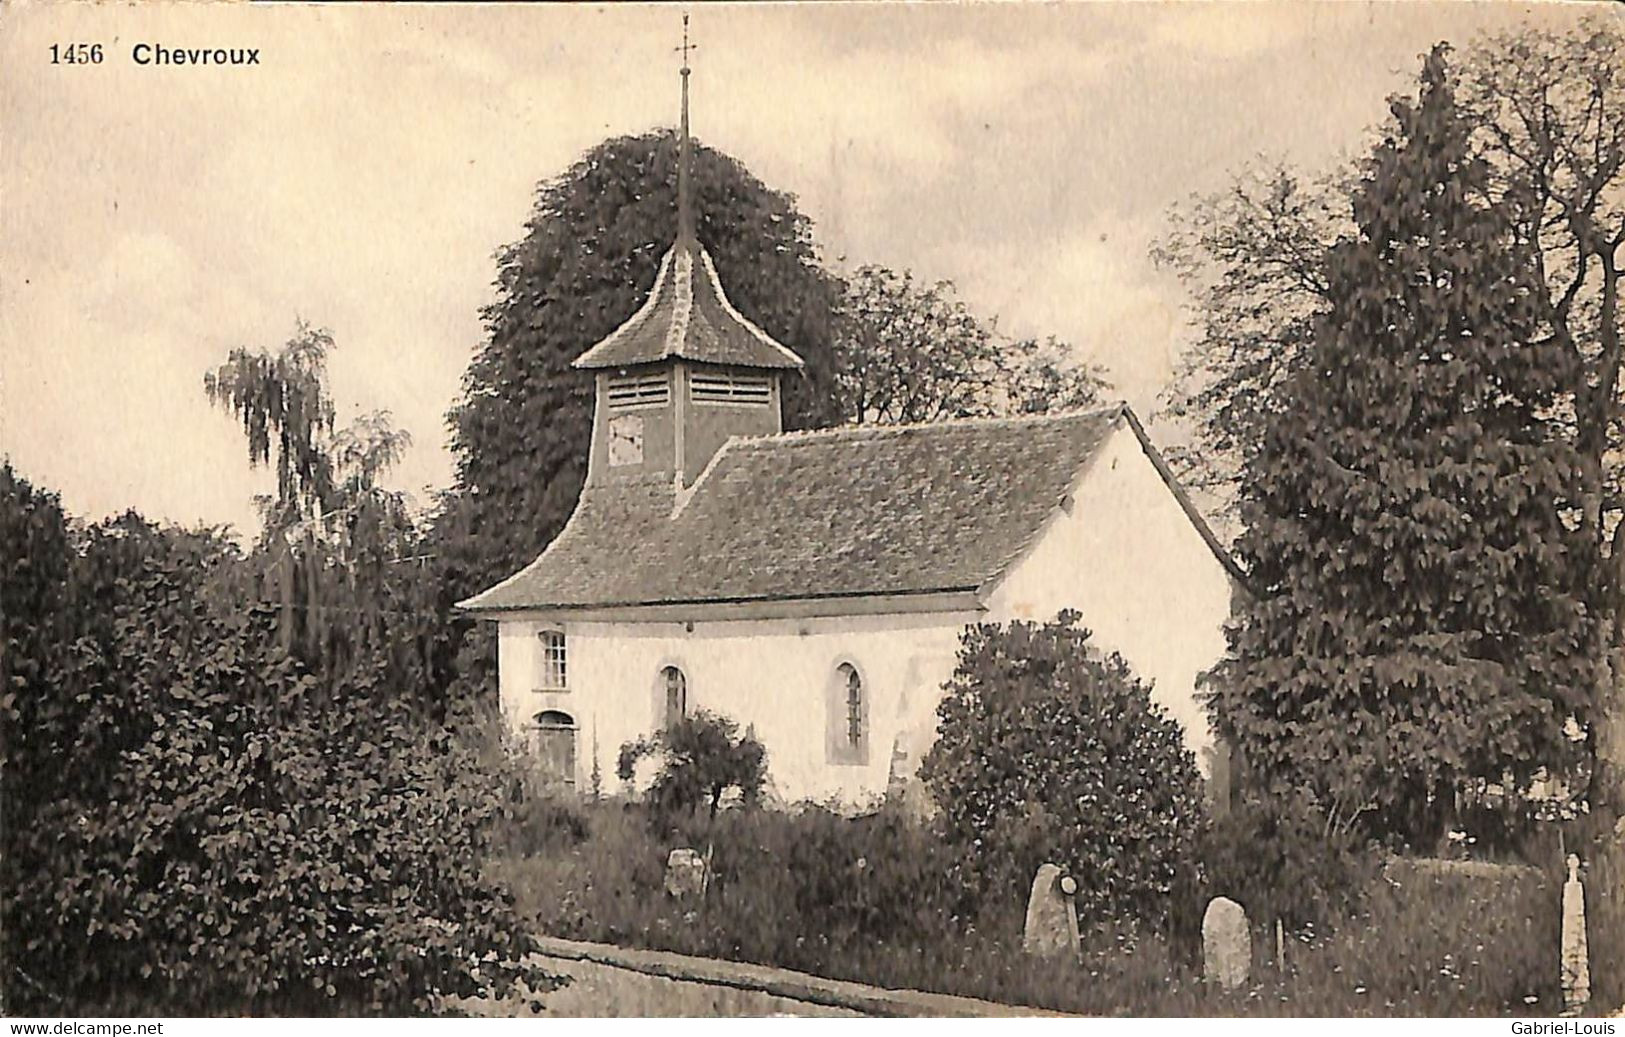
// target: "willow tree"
[[1421, 616], [333, 537]]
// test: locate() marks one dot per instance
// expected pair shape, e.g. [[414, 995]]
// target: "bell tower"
[[685, 372]]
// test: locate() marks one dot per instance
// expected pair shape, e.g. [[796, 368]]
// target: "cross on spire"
[[685, 213], [687, 46]]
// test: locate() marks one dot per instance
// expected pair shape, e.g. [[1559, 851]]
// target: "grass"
[[860, 903]]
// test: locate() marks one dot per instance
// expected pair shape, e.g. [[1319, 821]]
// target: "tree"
[[184, 797], [1049, 751], [912, 352], [1549, 117], [1551, 113], [334, 542], [701, 757], [1420, 613], [1254, 257], [585, 264]]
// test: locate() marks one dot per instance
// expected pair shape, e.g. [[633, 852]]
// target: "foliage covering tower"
[[589, 256], [1419, 618]]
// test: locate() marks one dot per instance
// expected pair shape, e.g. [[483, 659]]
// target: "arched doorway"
[[553, 734]]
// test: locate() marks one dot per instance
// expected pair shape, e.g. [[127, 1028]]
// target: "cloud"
[[364, 173]]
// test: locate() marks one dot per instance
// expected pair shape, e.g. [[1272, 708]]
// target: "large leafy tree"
[[1551, 114], [1253, 257], [1548, 114], [586, 262], [231, 832], [909, 351], [1421, 613]]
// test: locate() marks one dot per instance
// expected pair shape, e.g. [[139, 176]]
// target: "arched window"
[[553, 735], [674, 686], [854, 703], [847, 717]]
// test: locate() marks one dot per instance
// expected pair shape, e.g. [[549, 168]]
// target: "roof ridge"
[[650, 301], [878, 431], [746, 322], [671, 302]]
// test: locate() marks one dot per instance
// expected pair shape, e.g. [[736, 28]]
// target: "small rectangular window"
[[639, 390], [554, 673], [729, 387]]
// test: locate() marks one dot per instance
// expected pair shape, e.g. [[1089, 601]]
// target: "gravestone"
[[685, 873], [1576, 964], [1227, 949], [1051, 930]]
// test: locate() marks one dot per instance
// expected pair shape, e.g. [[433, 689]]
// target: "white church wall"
[[774, 675], [1126, 556], [1129, 560]]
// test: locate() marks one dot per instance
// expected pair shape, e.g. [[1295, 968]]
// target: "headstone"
[[1576, 962], [1051, 930], [685, 873], [1226, 943]]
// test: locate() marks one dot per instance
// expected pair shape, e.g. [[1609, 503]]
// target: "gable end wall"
[[1128, 558]]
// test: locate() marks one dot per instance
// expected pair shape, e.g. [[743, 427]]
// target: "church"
[[813, 586]]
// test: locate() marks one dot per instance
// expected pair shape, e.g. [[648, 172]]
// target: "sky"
[[362, 175]]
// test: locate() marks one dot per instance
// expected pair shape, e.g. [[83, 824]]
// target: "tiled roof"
[[851, 511], [688, 315]]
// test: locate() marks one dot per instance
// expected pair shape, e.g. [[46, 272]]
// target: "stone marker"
[[685, 873], [1052, 919], [1227, 949], [1576, 962]]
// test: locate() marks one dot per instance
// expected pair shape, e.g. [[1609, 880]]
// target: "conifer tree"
[[1418, 616]]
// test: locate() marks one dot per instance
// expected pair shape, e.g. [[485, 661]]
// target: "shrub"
[[877, 878], [541, 821], [227, 833], [1048, 751], [1429, 938], [807, 890], [1279, 856], [702, 757]]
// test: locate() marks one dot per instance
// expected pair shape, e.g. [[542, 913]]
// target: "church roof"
[[943, 507], [688, 315]]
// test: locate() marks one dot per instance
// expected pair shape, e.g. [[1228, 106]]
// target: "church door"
[[555, 744]]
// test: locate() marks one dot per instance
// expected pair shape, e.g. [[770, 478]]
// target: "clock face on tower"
[[626, 439]]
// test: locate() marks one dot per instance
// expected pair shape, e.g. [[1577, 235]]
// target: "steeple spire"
[[685, 207], [687, 316]]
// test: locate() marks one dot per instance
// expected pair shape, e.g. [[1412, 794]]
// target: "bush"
[[1280, 857], [876, 878], [806, 890], [1430, 938], [227, 832], [542, 823], [1048, 751], [702, 757]]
